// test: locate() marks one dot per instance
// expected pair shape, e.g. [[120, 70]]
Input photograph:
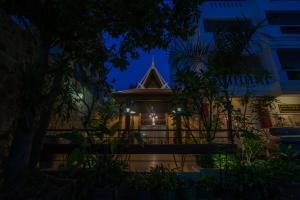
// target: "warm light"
[[80, 95], [153, 117]]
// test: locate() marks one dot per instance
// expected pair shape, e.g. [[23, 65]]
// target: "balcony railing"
[[226, 3], [145, 136]]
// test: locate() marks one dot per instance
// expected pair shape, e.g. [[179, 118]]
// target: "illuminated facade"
[[149, 109], [279, 52], [147, 106]]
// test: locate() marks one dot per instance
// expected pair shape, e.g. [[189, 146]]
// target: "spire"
[[153, 63], [152, 78]]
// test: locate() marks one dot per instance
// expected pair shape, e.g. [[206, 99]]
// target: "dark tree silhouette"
[[80, 30]]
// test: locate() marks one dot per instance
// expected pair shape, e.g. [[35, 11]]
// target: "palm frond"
[[189, 53]]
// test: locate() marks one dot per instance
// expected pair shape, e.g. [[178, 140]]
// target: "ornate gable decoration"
[[153, 79]]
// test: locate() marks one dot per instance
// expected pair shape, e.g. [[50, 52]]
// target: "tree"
[[80, 29], [201, 96], [226, 60]]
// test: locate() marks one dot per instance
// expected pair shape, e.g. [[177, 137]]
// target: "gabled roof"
[[143, 91], [153, 79], [152, 85]]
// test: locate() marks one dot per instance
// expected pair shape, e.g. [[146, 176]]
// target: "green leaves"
[[105, 131], [162, 178], [138, 137], [75, 136], [75, 158]]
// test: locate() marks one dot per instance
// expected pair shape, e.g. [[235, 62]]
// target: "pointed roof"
[[150, 86], [152, 78]]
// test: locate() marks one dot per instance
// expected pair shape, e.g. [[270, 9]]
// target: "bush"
[[162, 179], [139, 181], [207, 185], [266, 179]]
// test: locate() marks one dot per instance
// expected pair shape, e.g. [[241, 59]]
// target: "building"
[[281, 49], [154, 128], [148, 106], [149, 110]]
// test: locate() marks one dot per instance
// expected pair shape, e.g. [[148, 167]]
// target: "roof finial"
[[153, 63]]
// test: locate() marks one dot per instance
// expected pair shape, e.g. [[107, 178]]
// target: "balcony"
[[141, 154], [226, 3], [191, 142]]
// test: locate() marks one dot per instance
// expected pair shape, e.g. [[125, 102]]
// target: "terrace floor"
[[145, 162]]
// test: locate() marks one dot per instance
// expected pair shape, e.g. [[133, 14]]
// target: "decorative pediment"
[[152, 79]]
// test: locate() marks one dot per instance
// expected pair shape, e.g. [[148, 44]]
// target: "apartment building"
[[279, 52]]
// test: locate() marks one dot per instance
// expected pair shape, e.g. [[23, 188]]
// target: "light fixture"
[[179, 109], [127, 110], [132, 112], [80, 95], [153, 118]]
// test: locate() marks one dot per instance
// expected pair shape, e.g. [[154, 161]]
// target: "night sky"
[[137, 68]]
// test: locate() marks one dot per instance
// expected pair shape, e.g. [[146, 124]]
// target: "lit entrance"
[[153, 128], [154, 134], [151, 101]]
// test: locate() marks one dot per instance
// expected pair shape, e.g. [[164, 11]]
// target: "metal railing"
[[145, 136]]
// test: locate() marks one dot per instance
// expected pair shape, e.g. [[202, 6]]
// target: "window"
[[283, 17], [232, 25], [290, 62], [290, 29]]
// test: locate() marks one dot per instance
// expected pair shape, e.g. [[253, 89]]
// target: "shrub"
[[162, 179]]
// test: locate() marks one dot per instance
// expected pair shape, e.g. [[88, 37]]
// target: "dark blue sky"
[[137, 68]]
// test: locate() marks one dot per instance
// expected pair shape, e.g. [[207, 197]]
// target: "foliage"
[[205, 161], [222, 62], [219, 161], [252, 147], [207, 185], [109, 171], [162, 179], [285, 164], [200, 95], [252, 141], [74, 184], [275, 177], [261, 105], [79, 157], [140, 181], [5, 140], [83, 40], [108, 110], [265, 179]]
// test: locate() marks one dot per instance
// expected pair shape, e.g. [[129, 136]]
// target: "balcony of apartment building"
[[289, 69], [226, 8], [278, 4], [283, 25]]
